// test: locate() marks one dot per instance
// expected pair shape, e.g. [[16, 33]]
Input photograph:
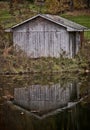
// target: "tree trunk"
[[88, 3], [11, 7], [71, 5]]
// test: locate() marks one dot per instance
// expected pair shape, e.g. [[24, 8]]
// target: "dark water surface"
[[41, 102]]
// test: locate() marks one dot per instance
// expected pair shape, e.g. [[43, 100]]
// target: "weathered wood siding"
[[40, 37], [46, 97]]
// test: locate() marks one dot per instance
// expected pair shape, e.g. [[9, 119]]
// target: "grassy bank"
[[21, 64]]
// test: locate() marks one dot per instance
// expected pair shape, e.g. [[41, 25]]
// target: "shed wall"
[[42, 38]]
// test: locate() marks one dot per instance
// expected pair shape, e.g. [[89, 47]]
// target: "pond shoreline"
[[46, 72]]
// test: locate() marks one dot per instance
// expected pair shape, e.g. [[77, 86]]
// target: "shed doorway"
[[73, 43]]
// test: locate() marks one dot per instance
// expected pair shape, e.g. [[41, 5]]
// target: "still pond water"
[[41, 102]]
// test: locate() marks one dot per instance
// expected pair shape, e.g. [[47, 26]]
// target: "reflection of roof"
[[55, 19], [43, 99], [72, 104]]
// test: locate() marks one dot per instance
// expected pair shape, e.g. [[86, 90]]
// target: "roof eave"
[[75, 30], [8, 30]]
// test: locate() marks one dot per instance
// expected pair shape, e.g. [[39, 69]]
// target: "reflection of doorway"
[[74, 92], [73, 42]]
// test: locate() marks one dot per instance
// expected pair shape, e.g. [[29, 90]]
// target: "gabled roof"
[[71, 26]]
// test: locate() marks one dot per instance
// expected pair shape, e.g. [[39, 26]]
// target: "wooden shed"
[[48, 36]]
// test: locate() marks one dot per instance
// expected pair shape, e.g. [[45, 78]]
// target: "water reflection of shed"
[[43, 99]]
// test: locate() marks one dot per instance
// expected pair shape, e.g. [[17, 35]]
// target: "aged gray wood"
[[40, 37]]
